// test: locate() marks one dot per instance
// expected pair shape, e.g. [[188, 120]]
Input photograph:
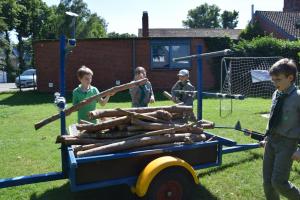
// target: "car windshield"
[[28, 72]]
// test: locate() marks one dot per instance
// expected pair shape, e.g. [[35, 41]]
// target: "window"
[[163, 52]]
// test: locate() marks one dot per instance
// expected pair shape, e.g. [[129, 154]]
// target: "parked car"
[[26, 79]]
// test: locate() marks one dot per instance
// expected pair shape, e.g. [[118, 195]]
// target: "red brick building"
[[114, 60], [282, 24]]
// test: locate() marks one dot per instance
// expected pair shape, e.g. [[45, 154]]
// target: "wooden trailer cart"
[[154, 173]]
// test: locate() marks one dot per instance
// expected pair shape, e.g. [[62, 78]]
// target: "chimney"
[[291, 6], [252, 14], [145, 30]]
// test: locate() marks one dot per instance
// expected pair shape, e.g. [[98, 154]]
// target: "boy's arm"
[[74, 98], [265, 140], [296, 155], [104, 100], [152, 98], [173, 93]]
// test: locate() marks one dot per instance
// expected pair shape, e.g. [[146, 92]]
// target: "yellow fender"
[[154, 167]]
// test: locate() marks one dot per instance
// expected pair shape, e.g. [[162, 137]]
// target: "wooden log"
[[205, 124], [161, 114], [181, 129], [108, 124], [109, 135], [141, 116], [115, 113], [76, 107], [169, 96], [84, 122], [140, 142], [152, 126], [74, 140]]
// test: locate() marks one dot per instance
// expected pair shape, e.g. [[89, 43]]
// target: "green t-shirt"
[[78, 96]]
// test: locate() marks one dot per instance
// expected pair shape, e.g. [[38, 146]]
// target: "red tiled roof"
[[285, 21], [182, 32]]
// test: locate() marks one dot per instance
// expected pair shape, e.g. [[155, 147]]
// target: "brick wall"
[[110, 60], [269, 28]]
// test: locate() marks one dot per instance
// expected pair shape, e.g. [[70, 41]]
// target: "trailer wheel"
[[171, 184]]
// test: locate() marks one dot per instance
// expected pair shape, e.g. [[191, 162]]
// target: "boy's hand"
[[296, 155], [111, 94], [263, 143], [152, 100]]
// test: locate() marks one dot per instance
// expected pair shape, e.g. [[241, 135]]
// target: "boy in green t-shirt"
[[84, 91]]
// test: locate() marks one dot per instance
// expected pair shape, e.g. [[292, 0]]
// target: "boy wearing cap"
[[183, 90]]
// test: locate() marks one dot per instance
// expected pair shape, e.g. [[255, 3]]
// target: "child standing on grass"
[[141, 95], [84, 91], [183, 91], [283, 133]]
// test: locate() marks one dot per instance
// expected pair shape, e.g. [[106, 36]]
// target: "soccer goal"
[[247, 76]]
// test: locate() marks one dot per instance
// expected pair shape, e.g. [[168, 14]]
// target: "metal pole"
[[199, 83], [62, 93], [33, 80], [20, 85], [206, 55], [3, 75]]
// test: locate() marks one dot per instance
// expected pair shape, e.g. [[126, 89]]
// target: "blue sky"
[[125, 16]]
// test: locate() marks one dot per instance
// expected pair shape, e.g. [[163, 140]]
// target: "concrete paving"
[[6, 87]]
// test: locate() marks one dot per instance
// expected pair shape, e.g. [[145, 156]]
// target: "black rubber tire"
[[173, 183]]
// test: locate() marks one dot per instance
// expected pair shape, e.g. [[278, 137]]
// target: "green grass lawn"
[[25, 151]]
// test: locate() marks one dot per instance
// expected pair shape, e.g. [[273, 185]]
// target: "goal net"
[[248, 76]]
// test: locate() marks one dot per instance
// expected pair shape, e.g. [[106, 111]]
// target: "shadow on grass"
[[253, 156], [27, 98], [203, 194], [108, 193], [34, 97], [64, 193]]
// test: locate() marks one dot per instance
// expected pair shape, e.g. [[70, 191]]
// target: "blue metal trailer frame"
[[70, 162]]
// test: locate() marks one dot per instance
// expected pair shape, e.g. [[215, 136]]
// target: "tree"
[[203, 16], [229, 19], [208, 16], [9, 11], [87, 25], [252, 30], [94, 27], [122, 35]]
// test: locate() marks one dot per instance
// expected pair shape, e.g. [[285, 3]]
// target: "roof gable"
[[285, 21]]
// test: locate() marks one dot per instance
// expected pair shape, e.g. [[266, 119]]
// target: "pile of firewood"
[[133, 129]]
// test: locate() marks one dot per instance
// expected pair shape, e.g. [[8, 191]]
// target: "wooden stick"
[[141, 116], [73, 140], [181, 129], [76, 107], [109, 135], [169, 96], [115, 113], [105, 124], [140, 142]]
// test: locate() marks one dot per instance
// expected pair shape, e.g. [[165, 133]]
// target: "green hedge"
[[264, 46], [268, 46], [217, 44]]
